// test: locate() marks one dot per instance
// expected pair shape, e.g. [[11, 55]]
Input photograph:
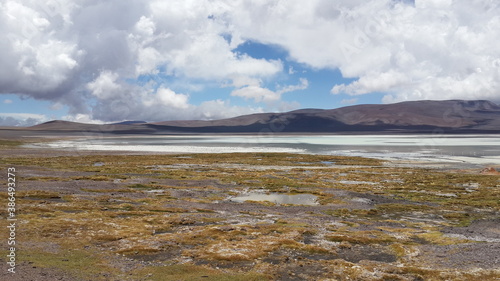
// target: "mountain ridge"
[[425, 116]]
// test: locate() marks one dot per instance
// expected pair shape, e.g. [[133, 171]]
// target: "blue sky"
[[151, 60]]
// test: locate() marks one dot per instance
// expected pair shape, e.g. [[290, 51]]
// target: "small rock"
[[489, 171]]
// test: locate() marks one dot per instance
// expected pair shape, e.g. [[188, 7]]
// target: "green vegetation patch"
[[4, 144], [82, 264]]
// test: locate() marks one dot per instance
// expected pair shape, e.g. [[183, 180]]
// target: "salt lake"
[[475, 149]]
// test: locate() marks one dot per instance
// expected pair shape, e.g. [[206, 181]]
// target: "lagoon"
[[475, 149]]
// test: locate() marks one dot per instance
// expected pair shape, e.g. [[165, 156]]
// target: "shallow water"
[[278, 198], [478, 149]]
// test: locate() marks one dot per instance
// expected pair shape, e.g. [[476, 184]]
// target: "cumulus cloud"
[[105, 86], [218, 109], [169, 98], [95, 57], [438, 49], [254, 91], [150, 103], [88, 55], [380, 82], [21, 119], [82, 118]]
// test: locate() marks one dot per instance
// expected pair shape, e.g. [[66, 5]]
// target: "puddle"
[[278, 198], [98, 164], [358, 182]]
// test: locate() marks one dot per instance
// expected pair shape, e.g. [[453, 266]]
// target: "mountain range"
[[449, 116]]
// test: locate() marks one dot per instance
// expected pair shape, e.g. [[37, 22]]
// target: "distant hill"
[[129, 122], [451, 116]]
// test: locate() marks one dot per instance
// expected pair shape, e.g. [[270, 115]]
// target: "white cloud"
[[105, 85], [158, 104], [81, 118], [21, 119], [242, 81], [145, 26], [218, 109], [291, 88], [34, 60], [169, 98], [433, 47], [7, 101], [147, 61], [254, 91], [23, 115], [257, 93], [433, 4], [377, 82]]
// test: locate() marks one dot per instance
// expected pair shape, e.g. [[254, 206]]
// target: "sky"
[[103, 61]]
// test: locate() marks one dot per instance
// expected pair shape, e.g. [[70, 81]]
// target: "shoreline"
[[429, 155], [5, 132]]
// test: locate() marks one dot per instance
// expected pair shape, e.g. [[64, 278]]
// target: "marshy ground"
[[118, 216]]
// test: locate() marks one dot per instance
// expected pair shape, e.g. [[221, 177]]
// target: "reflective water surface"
[[480, 149], [278, 198]]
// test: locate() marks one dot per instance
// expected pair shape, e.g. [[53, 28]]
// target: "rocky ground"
[[120, 216]]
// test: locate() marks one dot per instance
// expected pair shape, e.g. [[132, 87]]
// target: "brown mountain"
[[452, 116]]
